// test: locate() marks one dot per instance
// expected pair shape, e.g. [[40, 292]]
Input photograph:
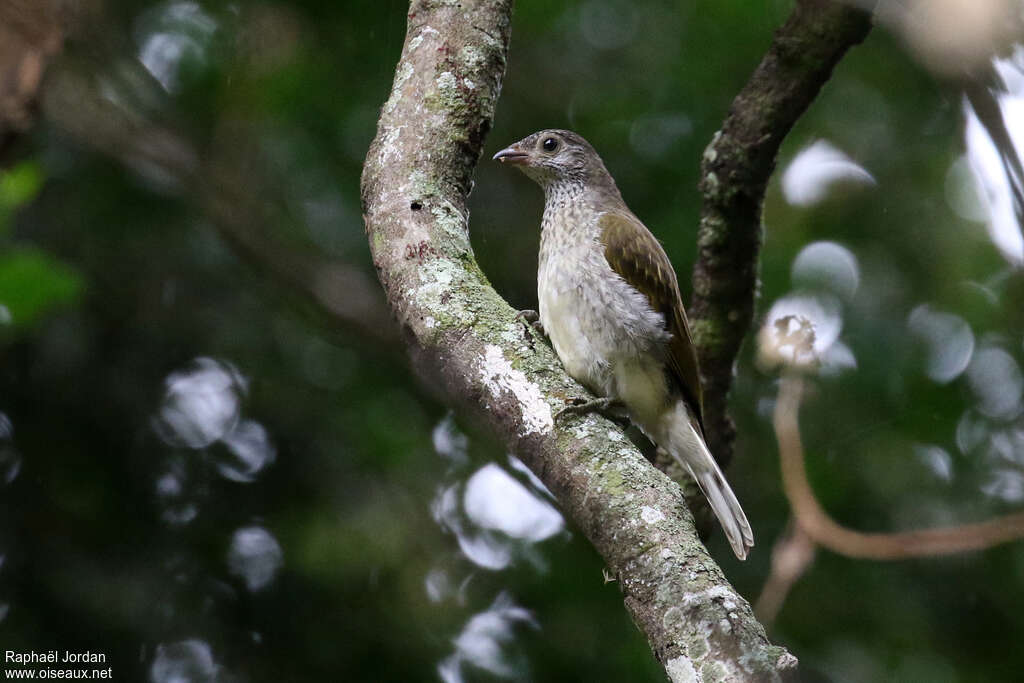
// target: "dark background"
[[205, 479]]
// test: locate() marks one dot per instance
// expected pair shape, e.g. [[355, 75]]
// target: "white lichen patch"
[[419, 184], [470, 85], [405, 72], [711, 151], [699, 648], [472, 57], [389, 145], [437, 277], [680, 670], [515, 335], [450, 220], [614, 435], [447, 83], [427, 31], [501, 378], [787, 661], [713, 593], [651, 515], [698, 644], [720, 671]]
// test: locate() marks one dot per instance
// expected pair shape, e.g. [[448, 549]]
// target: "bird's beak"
[[513, 154]]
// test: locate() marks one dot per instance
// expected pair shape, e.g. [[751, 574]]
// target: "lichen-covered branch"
[[735, 170], [467, 338]]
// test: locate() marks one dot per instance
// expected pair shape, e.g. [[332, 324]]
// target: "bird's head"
[[554, 157]]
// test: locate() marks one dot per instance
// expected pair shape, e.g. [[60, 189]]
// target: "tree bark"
[[734, 174], [466, 337]]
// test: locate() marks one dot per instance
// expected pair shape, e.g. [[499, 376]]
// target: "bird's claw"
[[531, 319], [610, 408]]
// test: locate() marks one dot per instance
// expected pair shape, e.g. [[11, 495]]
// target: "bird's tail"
[[687, 446]]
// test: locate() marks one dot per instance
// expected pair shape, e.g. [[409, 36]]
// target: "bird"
[[609, 301]]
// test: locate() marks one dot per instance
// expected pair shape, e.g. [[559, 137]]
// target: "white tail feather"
[[727, 509], [686, 445]]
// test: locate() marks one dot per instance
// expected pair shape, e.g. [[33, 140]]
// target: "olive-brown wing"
[[639, 259]]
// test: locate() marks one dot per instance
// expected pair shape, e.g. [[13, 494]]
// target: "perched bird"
[[610, 303]]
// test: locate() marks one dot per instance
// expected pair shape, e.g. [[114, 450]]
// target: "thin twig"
[[791, 556], [823, 530]]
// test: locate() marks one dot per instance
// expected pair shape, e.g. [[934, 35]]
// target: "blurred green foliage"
[[18, 186], [127, 466], [31, 283]]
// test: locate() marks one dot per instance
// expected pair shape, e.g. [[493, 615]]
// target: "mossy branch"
[[734, 174], [467, 339]]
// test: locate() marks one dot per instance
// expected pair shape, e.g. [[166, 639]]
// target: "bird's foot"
[[531, 319], [611, 408]]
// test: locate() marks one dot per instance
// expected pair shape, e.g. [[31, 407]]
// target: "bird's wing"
[[639, 259]]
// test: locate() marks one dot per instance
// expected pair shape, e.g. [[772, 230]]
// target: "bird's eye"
[[550, 144]]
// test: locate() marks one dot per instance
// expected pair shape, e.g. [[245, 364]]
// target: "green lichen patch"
[[707, 333]]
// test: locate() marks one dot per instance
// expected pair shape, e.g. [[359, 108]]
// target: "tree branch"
[[415, 183], [792, 554], [734, 173]]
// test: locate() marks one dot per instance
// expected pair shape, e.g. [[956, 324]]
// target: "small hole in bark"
[[416, 206]]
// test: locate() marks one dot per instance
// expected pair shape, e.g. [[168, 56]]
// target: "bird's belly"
[[641, 383], [568, 322], [593, 338]]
